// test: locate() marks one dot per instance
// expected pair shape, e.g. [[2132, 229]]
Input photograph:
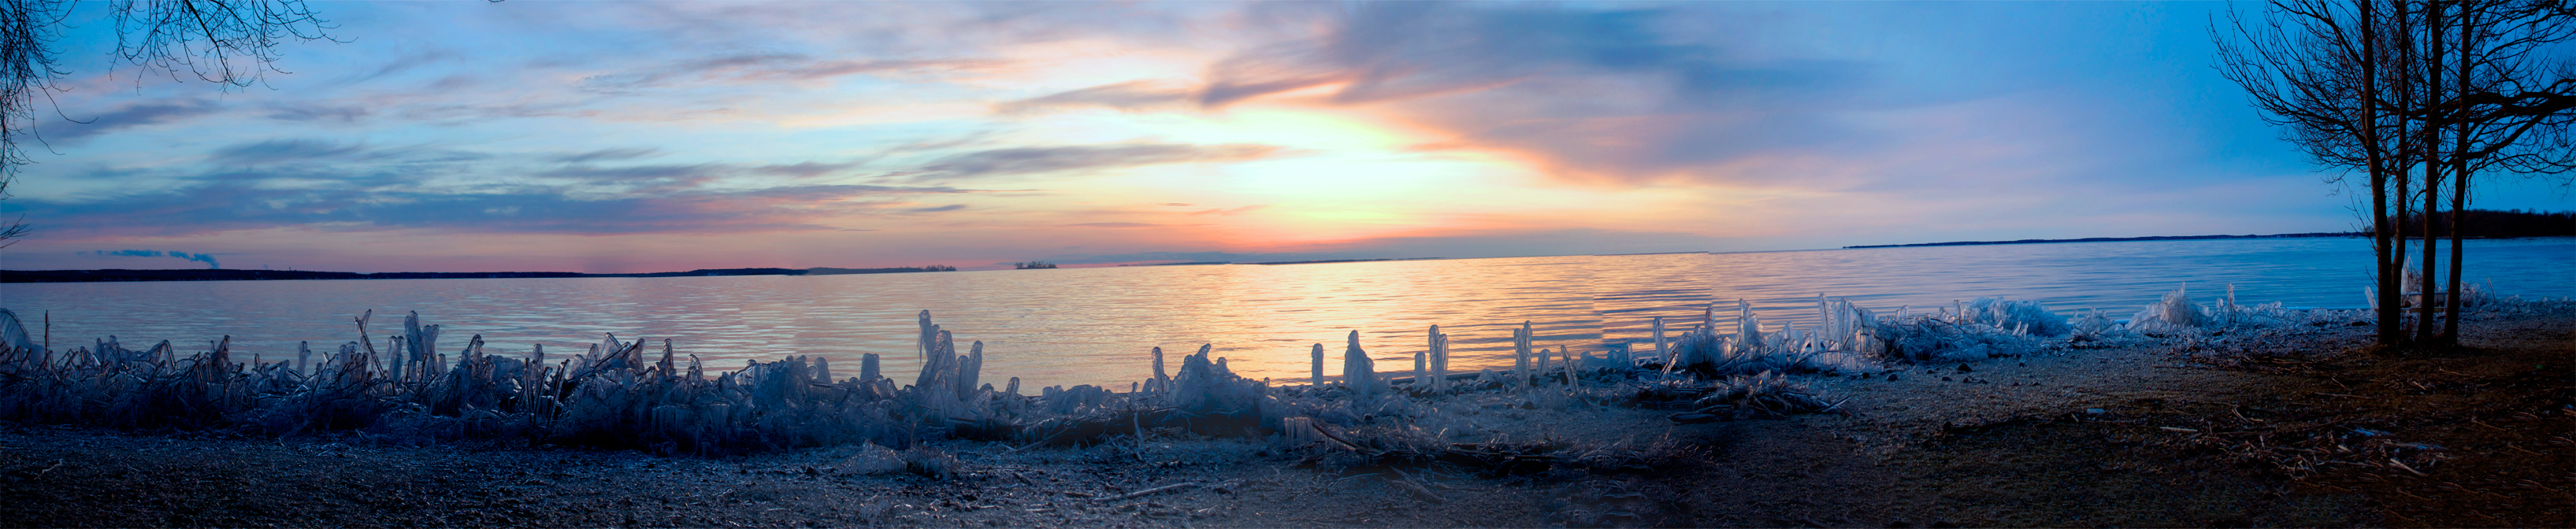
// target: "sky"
[[612, 137]]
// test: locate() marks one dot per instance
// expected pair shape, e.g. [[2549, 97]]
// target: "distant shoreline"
[[1330, 261], [2117, 239], [122, 275]]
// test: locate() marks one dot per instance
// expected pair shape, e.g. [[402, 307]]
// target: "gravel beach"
[[2308, 427]]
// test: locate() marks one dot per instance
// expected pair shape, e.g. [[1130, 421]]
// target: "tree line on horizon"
[[2491, 223], [2420, 97]]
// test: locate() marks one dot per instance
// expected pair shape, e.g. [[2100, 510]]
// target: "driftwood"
[[1762, 396], [1150, 492]]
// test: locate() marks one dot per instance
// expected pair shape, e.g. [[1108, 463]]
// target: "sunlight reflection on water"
[[1096, 325]]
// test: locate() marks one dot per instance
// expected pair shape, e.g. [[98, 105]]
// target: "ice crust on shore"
[[622, 394]]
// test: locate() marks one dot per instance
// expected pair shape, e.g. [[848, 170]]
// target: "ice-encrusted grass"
[[625, 394]]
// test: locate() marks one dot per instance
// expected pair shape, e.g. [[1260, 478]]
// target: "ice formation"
[[1358, 373], [619, 393], [1439, 359], [2174, 313], [13, 334]]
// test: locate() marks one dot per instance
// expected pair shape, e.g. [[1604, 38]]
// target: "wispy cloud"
[[1231, 211], [273, 151], [758, 67], [318, 113], [1037, 160], [608, 155], [1604, 95], [127, 116], [1131, 96], [805, 169], [580, 201]]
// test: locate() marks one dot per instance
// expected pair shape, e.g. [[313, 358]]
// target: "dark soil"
[[2317, 429]]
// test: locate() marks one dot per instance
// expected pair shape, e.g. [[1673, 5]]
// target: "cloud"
[[407, 62], [1032, 160], [1128, 96], [608, 155], [1231, 212], [643, 178], [340, 113], [936, 209], [804, 169], [326, 200], [1115, 225], [128, 116], [767, 67], [273, 151], [198, 257], [1616, 96]]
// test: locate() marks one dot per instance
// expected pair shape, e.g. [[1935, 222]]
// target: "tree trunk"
[[2385, 298], [2432, 170], [2401, 172], [2426, 283], [2459, 186]]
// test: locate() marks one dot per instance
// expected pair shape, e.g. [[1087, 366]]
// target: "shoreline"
[[2013, 441], [2118, 239], [118, 275]]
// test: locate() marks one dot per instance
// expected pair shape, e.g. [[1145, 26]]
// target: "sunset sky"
[[636, 137]]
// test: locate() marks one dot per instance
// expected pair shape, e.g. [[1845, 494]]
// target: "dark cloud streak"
[[609, 155], [1128, 96], [1033, 160], [124, 117], [273, 151]]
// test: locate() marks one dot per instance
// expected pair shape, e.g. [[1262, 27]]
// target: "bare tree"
[[2503, 47], [2313, 67], [232, 42], [2393, 87]]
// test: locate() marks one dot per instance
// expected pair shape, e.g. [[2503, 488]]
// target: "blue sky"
[[628, 137]]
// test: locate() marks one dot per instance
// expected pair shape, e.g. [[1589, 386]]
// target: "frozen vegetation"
[[408, 387]]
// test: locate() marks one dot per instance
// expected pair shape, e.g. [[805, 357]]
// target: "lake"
[[1097, 325]]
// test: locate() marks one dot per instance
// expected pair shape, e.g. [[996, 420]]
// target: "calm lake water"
[[1097, 325]]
